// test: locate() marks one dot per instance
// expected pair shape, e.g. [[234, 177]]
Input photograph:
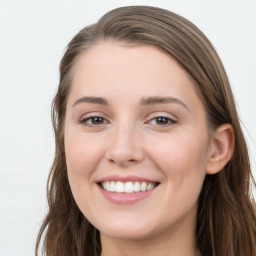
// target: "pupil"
[[162, 120], [97, 120]]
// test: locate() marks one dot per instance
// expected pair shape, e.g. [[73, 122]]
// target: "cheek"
[[82, 160], [82, 153], [182, 160]]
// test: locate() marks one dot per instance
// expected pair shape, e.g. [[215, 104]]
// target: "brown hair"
[[226, 220]]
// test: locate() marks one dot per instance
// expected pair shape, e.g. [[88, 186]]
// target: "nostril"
[[123, 150]]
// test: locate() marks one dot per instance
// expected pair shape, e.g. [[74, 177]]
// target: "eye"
[[161, 121], [93, 121]]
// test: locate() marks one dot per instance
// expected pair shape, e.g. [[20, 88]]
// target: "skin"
[[128, 140]]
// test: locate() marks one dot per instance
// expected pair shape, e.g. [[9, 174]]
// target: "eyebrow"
[[144, 101], [94, 100], [162, 100]]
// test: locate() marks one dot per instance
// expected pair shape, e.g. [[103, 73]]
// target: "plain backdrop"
[[33, 37]]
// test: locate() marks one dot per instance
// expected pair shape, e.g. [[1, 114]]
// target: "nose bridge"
[[125, 146]]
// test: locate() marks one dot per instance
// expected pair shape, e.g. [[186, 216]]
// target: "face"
[[136, 141]]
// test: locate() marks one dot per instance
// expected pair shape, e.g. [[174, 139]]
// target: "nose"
[[125, 146]]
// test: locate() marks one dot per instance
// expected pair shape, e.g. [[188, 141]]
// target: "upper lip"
[[125, 179]]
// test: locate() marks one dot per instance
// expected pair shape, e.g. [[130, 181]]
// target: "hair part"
[[226, 220]]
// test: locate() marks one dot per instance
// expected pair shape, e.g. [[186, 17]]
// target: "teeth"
[[150, 186], [127, 187], [119, 187], [112, 186], [143, 186], [107, 186], [136, 187]]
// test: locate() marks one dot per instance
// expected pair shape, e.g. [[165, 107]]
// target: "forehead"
[[113, 68]]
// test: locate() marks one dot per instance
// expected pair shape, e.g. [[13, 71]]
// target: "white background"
[[33, 36]]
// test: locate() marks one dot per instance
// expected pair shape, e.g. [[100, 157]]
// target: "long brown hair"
[[226, 220]]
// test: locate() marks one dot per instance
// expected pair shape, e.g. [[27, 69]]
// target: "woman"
[[150, 157]]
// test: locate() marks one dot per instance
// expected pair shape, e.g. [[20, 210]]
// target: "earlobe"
[[221, 148]]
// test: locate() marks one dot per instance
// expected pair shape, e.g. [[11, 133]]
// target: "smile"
[[128, 187], [126, 190]]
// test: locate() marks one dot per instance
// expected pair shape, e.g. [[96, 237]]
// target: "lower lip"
[[126, 198]]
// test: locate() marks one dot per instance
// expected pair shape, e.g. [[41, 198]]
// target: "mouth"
[[127, 187], [126, 190]]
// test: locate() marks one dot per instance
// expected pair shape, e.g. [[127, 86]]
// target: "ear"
[[221, 148]]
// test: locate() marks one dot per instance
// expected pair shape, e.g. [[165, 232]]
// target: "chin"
[[125, 230], [127, 234]]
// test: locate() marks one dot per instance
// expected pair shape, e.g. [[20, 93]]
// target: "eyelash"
[[168, 119], [84, 121]]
